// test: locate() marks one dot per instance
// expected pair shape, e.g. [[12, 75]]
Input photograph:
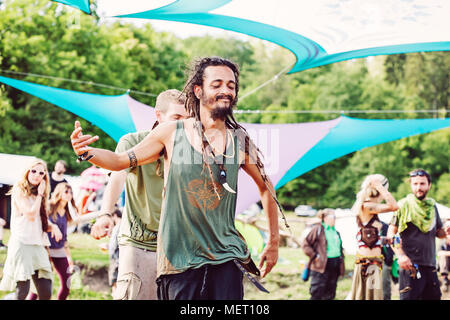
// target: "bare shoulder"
[[164, 130], [188, 123], [188, 126], [167, 126]]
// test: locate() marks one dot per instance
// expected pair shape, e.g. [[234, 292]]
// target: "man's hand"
[[270, 257], [102, 227], [404, 262], [80, 142], [392, 231]]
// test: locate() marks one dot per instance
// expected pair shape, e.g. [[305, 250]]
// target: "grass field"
[[90, 280]]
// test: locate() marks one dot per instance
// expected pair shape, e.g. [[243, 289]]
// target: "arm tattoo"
[[133, 159]]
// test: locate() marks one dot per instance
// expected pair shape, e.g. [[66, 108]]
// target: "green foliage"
[[442, 189], [37, 38]]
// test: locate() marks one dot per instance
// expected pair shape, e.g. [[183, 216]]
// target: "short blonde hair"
[[169, 96]]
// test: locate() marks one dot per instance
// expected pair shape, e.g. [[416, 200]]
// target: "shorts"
[[136, 279]]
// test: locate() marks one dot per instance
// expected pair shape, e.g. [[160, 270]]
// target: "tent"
[[285, 159], [83, 5], [12, 167]]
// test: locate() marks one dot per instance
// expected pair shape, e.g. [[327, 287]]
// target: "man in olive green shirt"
[[140, 220]]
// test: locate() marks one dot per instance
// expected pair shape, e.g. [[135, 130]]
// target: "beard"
[[221, 110], [221, 113], [421, 195]]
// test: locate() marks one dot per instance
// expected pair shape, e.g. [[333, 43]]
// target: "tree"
[[37, 38]]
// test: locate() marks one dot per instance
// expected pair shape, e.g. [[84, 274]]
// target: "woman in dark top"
[[59, 250]]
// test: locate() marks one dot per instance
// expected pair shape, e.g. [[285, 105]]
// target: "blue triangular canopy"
[[322, 32], [317, 32], [109, 113], [113, 114], [83, 5], [351, 134]]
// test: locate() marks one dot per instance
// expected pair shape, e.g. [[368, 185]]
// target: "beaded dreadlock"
[[195, 78]]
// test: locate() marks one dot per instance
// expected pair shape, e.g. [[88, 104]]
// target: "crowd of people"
[[176, 238], [42, 210], [409, 240]]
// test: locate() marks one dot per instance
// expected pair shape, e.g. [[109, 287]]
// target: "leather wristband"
[[84, 157]]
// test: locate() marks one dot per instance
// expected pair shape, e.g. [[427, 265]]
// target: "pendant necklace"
[[222, 171]]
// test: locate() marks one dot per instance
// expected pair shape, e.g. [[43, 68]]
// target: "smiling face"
[[36, 174], [420, 186], [218, 91]]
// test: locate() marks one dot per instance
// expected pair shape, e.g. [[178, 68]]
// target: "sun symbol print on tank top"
[[201, 194]]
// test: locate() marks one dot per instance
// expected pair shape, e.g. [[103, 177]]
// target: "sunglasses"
[[40, 172], [419, 173]]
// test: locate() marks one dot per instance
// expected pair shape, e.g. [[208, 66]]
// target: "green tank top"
[[196, 228]]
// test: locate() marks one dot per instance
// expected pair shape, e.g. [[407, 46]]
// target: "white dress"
[[26, 247]]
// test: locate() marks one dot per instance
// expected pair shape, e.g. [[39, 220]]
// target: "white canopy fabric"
[[317, 32], [12, 166]]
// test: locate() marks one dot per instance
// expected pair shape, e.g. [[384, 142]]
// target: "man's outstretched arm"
[[270, 253], [145, 152]]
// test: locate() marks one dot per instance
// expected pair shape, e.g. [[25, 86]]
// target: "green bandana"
[[419, 212]]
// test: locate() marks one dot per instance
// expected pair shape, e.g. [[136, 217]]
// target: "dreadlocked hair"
[[159, 172], [192, 105]]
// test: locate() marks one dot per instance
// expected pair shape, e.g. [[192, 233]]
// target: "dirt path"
[[95, 278]]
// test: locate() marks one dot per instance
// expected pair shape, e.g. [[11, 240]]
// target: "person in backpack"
[[418, 223], [323, 245], [367, 275]]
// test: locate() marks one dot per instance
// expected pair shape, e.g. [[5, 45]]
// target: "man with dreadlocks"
[[201, 255]]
